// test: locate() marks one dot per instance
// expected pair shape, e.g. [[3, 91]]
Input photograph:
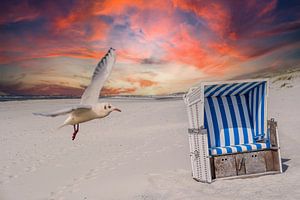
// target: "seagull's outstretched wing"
[[101, 73], [78, 108]]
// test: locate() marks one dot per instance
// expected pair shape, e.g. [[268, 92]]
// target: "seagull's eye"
[[105, 107], [109, 107]]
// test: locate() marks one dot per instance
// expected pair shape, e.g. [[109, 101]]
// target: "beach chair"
[[229, 134]]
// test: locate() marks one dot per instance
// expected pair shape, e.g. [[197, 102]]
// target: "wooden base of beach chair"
[[225, 166], [245, 164], [248, 176]]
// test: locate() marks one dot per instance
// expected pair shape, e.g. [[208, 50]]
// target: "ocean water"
[[125, 97], [29, 97]]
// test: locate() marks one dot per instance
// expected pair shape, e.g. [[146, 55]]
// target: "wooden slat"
[[225, 166], [240, 164], [277, 162], [255, 162], [272, 125], [269, 161]]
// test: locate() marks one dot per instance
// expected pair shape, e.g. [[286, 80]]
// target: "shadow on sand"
[[284, 165]]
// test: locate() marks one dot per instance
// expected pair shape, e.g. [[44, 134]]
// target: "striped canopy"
[[234, 113]]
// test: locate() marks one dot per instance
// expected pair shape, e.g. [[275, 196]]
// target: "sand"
[[139, 154]]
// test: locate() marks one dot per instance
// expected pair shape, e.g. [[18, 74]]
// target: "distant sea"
[[129, 97], [30, 97]]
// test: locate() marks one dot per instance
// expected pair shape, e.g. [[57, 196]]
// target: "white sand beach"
[[139, 154]]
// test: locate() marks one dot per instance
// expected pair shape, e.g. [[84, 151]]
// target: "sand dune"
[[141, 153]]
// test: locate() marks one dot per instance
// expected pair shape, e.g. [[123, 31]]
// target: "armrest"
[[272, 130]]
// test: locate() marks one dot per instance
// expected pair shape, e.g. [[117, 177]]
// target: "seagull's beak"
[[117, 109]]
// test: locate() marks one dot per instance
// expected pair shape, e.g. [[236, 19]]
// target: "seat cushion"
[[238, 148]]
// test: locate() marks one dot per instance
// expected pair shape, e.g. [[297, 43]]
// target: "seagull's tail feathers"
[[68, 121]]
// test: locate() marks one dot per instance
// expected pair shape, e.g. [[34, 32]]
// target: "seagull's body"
[[84, 115], [89, 108]]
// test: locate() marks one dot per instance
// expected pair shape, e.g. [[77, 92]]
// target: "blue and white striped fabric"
[[235, 116], [230, 89], [238, 148], [256, 102]]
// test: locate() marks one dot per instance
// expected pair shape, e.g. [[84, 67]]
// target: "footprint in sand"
[[73, 186], [91, 174], [31, 169], [12, 176], [70, 188], [162, 149], [8, 178], [4, 170]]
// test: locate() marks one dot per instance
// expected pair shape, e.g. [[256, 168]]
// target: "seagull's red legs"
[[76, 129]]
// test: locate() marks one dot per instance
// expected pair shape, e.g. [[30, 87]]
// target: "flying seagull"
[[89, 108]]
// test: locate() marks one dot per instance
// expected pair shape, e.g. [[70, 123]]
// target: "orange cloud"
[[40, 89], [20, 11], [72, 52], [224, 49], [183, 47], [142, 82], [65, 22], [279, 29], [79, 12], [106, 91], [75, 53], [215, 14], [81, 22], [118, 7], [156, 22], [99, 30], [269, 7], [154, 27]]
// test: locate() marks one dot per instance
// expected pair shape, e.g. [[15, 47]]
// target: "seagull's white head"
[[106, 108]]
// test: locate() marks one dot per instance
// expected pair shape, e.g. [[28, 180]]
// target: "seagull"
[[89, 108]]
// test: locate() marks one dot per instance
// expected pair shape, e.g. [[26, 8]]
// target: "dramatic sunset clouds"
[[163, 47]]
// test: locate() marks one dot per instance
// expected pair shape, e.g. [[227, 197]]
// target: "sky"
[[163, 47]]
